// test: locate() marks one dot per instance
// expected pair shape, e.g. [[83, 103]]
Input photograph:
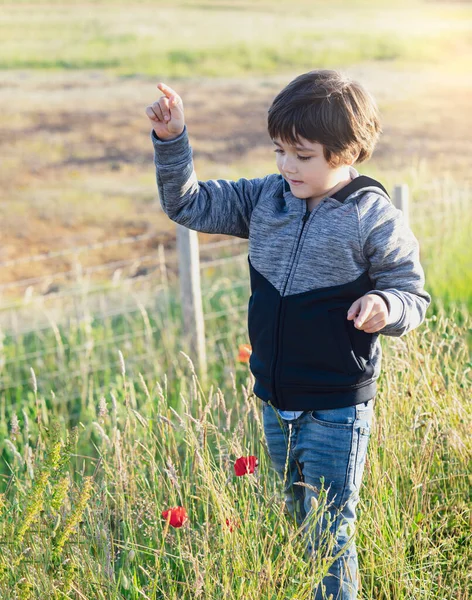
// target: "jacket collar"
[[358, 182]]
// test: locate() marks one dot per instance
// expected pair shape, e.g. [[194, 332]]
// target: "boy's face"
[[305, 168]]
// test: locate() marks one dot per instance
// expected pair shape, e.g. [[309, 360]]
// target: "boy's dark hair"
[[324, 106]]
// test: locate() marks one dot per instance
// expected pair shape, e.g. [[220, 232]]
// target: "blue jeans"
[[330, 444]]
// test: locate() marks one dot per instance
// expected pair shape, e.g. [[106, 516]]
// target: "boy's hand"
[[370, 313], [167, 114]]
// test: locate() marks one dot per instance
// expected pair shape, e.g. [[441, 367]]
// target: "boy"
[[332, 266]]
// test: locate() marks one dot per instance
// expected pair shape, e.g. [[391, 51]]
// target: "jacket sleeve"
[[392, 253], [214, 206]]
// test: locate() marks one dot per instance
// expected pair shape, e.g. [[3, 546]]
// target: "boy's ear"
[[354, 157], [348, 160], [335, 161], [338, 160]]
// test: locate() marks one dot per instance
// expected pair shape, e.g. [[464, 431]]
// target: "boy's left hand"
[[370, 313]]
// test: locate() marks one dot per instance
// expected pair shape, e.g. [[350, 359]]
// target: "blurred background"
[[88, 262]]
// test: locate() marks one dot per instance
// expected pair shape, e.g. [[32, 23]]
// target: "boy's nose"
[[289, 166]]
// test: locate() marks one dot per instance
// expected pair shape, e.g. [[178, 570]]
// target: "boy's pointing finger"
[[168, 91]]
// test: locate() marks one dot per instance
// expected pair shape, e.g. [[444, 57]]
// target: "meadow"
[[104, 423]]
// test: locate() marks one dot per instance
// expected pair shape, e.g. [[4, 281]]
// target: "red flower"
[[245, 351], [178, 515], [245, 464], [232, 523]]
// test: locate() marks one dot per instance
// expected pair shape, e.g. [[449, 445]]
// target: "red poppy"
[[232, 523], [245, 351], [245, 464], [178, 515]]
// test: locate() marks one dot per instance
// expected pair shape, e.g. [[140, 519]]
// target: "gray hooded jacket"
[[306, 269]]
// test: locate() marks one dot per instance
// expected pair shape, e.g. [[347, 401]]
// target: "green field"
[[230, 38]]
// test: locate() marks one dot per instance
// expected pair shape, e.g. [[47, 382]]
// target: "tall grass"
[[142, 449], [151, 438]]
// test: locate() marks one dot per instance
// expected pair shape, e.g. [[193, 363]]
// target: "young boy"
[[332, 266]]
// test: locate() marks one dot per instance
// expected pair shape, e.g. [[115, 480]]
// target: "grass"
[[94, 525], [152, 438], [210, 43]]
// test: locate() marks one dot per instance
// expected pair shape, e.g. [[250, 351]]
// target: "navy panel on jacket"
[[304, 348]]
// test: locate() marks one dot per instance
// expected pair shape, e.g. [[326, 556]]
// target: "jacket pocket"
[[343, 336]]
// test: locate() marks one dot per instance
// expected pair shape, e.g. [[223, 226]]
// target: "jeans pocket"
[[364, 415], [363, 436], [338, 418]]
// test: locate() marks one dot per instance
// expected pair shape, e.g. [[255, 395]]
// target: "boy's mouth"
[[295, 182]]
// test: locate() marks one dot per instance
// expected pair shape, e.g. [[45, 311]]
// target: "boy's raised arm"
[[213, 206], [392, 252]]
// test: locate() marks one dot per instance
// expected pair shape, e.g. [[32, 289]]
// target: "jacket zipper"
[[305, 218]]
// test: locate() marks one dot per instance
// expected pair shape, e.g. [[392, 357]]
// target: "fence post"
[[401, 201], [191, 299]]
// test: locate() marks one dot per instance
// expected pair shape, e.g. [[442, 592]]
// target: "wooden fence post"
[[191, 299], [401, 200]]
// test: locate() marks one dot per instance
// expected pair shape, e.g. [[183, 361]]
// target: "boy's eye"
[[299, 157]]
